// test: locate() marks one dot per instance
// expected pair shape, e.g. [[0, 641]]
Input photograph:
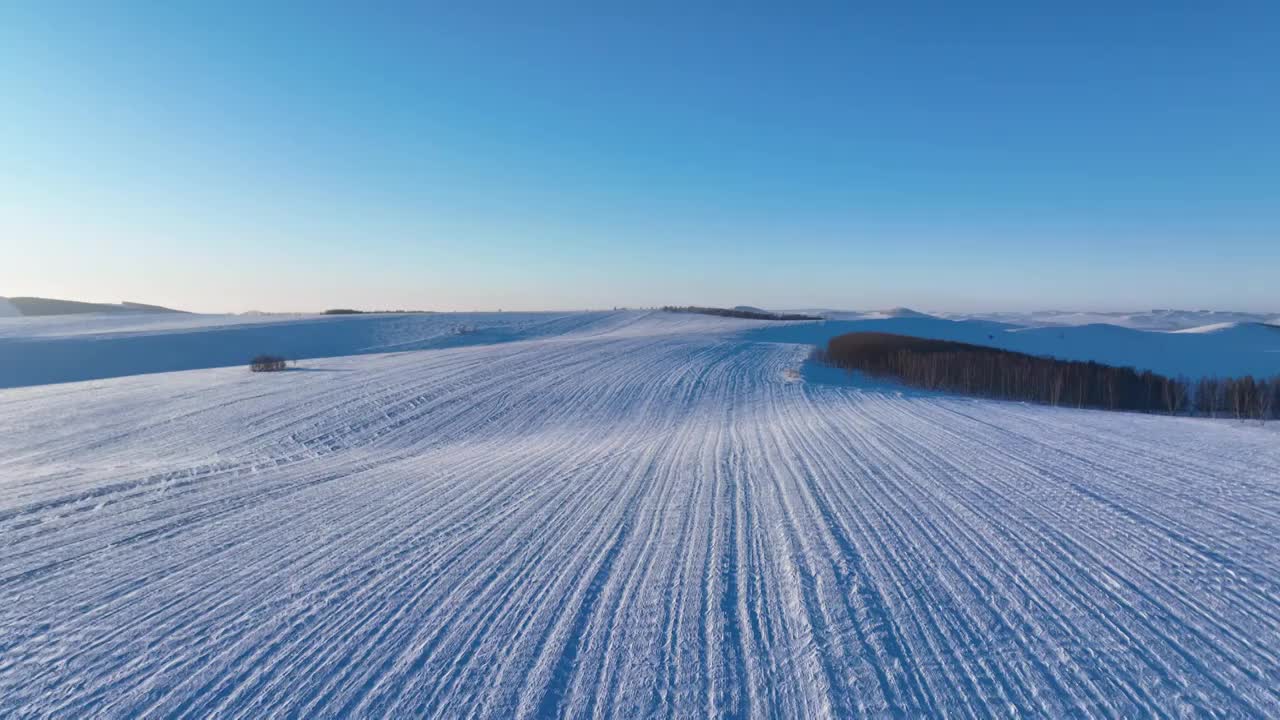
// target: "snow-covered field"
[[40, 350], [618, 514], [69, 348]]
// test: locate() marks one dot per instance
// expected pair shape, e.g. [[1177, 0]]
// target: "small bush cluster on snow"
[[267, 363]]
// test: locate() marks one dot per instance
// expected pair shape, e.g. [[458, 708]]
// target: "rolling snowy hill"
[[619, 515], [39, 350], [40, 307], [1167, 320], [1231, 349], [35, 351]]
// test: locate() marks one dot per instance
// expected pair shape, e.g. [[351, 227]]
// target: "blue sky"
[[233, 156]]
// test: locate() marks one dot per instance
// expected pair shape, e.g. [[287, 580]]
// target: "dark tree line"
[[748, 314], [1243, 397], [991, 372]]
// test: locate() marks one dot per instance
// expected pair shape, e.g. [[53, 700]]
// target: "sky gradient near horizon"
[[235, 156]]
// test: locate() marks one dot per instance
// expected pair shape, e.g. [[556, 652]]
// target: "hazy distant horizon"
[[726, 304]]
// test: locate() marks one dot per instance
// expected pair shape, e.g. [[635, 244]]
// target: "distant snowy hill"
[[896, 312], [902, 312], [39, 350], [144, 307], [39, 307], [1144, 320], [1225, 350], [1160, 319]]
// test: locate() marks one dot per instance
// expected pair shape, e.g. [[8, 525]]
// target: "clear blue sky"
[[228, 156]]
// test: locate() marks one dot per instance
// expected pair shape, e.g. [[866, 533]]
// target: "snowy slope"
[[1230, 350], [43, 350], [1162, 320], [1166, 320], [38, 306], [649, 519], [82, 347]]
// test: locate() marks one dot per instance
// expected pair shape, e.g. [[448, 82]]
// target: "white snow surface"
[[106, 324], [642, 515], [42, 350], [1232, 343], [65, 348], [1233, 349], [1166, 319]]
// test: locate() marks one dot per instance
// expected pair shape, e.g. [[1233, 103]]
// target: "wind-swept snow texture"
[[658, 520]]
